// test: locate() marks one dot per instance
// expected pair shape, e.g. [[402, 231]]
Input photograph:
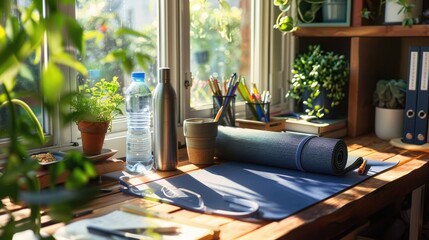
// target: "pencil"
[[218, 114], [362, 167]]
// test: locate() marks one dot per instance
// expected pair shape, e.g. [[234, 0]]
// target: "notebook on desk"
[[118, 220]]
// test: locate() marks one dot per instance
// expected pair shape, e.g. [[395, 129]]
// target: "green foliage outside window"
[[113, 46], [215, 38]]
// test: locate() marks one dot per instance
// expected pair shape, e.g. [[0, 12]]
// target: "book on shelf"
[[312, 125]]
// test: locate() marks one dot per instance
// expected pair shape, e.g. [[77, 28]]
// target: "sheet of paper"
[[120, 220]]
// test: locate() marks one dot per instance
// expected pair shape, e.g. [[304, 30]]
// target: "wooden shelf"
[[374, 51], [364, 31], [371, 58]]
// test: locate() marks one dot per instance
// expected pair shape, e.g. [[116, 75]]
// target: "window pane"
[[220, 44], [27, 83], [102, 18]]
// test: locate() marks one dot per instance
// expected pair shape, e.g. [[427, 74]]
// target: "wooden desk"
[[328, 219]]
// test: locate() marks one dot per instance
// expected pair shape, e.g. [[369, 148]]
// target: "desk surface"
[[327, 219]]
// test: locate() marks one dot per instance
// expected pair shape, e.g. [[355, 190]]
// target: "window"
[[219, 44], [101, 19], [27, 84], [252, 48], [205, 37]]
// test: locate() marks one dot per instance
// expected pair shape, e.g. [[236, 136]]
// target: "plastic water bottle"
[[138, 104]]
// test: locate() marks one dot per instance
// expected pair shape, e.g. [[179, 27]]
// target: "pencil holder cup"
[[200, 135], [228, 118], [258, 111]]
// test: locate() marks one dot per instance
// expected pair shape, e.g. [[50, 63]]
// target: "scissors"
[[240, 207]]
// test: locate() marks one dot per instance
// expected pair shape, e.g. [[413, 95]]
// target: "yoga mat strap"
[[299, 152]]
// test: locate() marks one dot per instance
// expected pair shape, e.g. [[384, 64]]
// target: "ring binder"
[[421, 126], [408, 135]]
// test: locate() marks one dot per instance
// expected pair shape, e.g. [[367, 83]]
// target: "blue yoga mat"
[[279, 192], [283, 173]]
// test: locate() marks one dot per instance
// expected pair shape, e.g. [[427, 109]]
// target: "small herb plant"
[[317, 71], [98, 103], [390, 94]]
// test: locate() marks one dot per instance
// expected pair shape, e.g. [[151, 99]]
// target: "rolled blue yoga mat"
[[285, 150]]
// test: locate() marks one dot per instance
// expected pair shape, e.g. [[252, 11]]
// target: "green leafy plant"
[[390, 94], [98, 103], [318, 71]]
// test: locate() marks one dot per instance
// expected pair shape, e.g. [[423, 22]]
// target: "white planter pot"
[[392, 9], [388, 123]]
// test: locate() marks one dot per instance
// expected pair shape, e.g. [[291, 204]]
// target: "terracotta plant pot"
[[92, 134]]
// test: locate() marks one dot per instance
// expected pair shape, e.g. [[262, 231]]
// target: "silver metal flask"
[[164, 122]]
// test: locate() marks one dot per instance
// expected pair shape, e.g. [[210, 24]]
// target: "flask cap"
[[164, 75], [138, 76]]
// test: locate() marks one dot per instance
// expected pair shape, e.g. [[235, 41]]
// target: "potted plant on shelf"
[[319, 80], [389, 101], [93, 108], [406, 12]]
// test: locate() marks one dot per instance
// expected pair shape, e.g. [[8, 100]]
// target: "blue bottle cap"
[[138, 76]]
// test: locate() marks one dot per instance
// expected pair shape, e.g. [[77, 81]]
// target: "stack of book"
[[331, 128]]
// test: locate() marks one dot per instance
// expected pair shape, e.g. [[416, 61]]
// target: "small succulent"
[[390, 94]]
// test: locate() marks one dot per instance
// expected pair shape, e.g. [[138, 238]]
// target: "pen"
[[82, 213], [362, 167]]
